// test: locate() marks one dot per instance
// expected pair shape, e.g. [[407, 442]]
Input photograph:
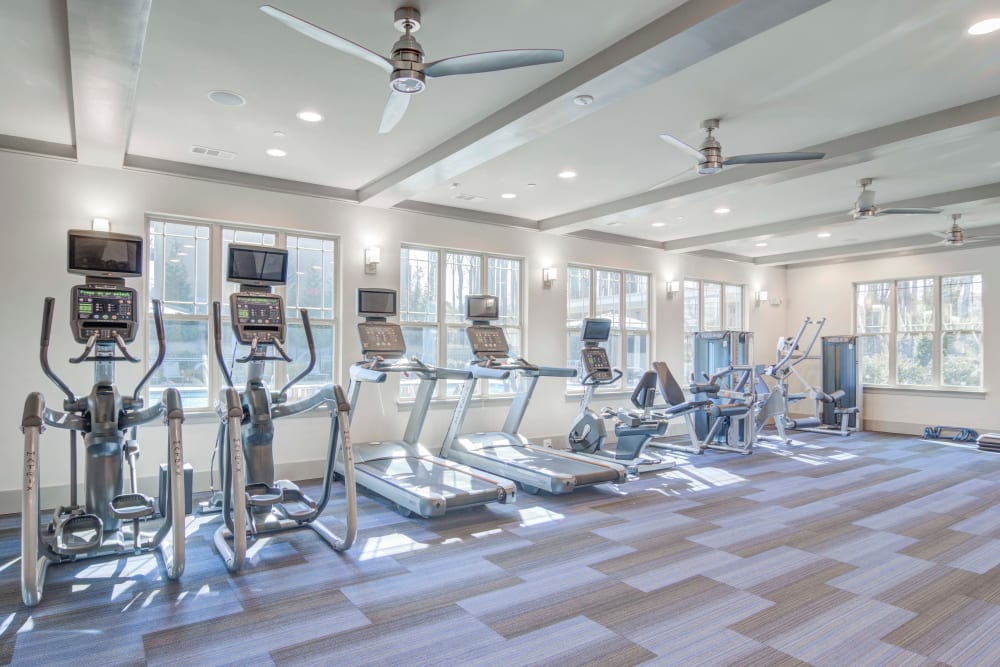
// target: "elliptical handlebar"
[[217, 332], [43, 355], [307, 328], [588, 380], [161, 340]]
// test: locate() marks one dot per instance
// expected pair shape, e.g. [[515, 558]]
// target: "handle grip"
[[307, 328], [217, 334], [47, 310]]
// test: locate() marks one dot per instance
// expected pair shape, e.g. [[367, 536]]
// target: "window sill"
[[575, 396], [451, 402], [209, 416], [932, 392]]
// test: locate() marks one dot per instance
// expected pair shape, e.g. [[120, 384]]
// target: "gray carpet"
[[868, 550]]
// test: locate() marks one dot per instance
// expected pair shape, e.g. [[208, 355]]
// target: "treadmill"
[[506, 452], [404, 471]]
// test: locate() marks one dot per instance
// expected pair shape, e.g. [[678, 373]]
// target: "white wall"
[[828, 291], [44, 197]]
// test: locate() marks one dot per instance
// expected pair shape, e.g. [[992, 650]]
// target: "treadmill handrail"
[[489, 372], [362, 374]]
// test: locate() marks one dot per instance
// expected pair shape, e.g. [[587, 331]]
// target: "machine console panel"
[[383, 339], [487, 340], [257, 314], [104, 311], [596, 363]]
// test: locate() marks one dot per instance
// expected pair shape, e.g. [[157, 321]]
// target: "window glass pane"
[[577, 295], [573, 345], [874, 350], [638, 358], [178, 273], [692, 305], [311, 275], [688, 354], [872, 304], [462, 277], [636, 301], [961, 359], [185, 365], [418, 293], [231, 350], [459, 355], [509, 385], [609, 295], [712, 304], [422, 343], [915, 305], [297, 349], [734, 307], [962, 303], [503, 280], [914, 358]]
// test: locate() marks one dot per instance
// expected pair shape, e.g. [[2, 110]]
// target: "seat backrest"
[[644, 394], [669, 389]]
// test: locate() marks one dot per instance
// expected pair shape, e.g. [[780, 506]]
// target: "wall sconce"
[[100, 224], [372, 258], [549, 275], [673, 287], [761, 297]]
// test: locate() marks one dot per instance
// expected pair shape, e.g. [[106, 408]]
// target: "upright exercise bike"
[[252, 501], [104, 317]]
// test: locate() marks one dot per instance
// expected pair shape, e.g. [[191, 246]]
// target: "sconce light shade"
[[549, 275], [373, 256], [673, 287], [100, 224], [761, 297]]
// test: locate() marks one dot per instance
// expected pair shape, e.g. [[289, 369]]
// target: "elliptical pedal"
[[262, 495], [79, 534], [131, 506]]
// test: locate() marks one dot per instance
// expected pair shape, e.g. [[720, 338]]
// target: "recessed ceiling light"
[[657, 224], [309, 116], [276, 152], [531, 185], [567, 174], [508, 195], [824, 235], [227, 98], [614, 224], [762, 244], [583, 100], [985, 27], [722, 210], [278, 133]]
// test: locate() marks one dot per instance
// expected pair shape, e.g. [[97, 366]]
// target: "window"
[[623, 298], [923, 332], [709, 306], [433, 319], [183, 276]]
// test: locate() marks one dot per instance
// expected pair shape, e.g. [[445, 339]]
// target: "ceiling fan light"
[[407, 84]]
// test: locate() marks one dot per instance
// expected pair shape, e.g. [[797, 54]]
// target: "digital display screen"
[[381, 338], [258, 310], [597, 330], [487, 340], [251, 265], [482, 307], [104, 305], [376, 302], [104, 254]]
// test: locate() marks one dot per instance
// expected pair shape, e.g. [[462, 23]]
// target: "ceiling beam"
[[105, 49], [465, 214], [979, 193], [36, 147], [942, 126], [677, 40], [617, 239]]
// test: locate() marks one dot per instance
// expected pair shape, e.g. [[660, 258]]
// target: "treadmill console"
[[105, 311], [383, 339], [257, 314], [487, 340], [596, 363]]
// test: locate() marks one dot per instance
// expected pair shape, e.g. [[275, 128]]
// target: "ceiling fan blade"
[[943, 235], [907, 211], [492, 61], [766, 158], [678, 175], [328, 38], [979, 239], [682, 146], [395, 107]]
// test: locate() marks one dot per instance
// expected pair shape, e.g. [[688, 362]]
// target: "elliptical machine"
[[633, 430], [104, 317], [252, 501]]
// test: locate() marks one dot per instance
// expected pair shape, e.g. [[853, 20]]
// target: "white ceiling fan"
[[406, 68], [956, 236], [865, 206]]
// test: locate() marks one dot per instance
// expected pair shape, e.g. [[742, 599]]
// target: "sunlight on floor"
[[389, 545], [533, 516]]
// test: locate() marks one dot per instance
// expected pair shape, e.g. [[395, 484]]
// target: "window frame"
[[441, 325], [937, 332], [688, 334], [217, 291], [623, 331]]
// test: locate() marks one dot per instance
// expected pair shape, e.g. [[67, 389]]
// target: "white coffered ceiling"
[[894, 90]]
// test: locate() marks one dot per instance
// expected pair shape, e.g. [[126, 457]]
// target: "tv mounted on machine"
[[257, 265], [379, 303], [596, 330], [104, 254], [482, 307]]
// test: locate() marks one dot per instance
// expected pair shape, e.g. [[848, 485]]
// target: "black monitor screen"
[[251, 265], [104, 254], [376, 302], [597, 330], [482, 307]]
